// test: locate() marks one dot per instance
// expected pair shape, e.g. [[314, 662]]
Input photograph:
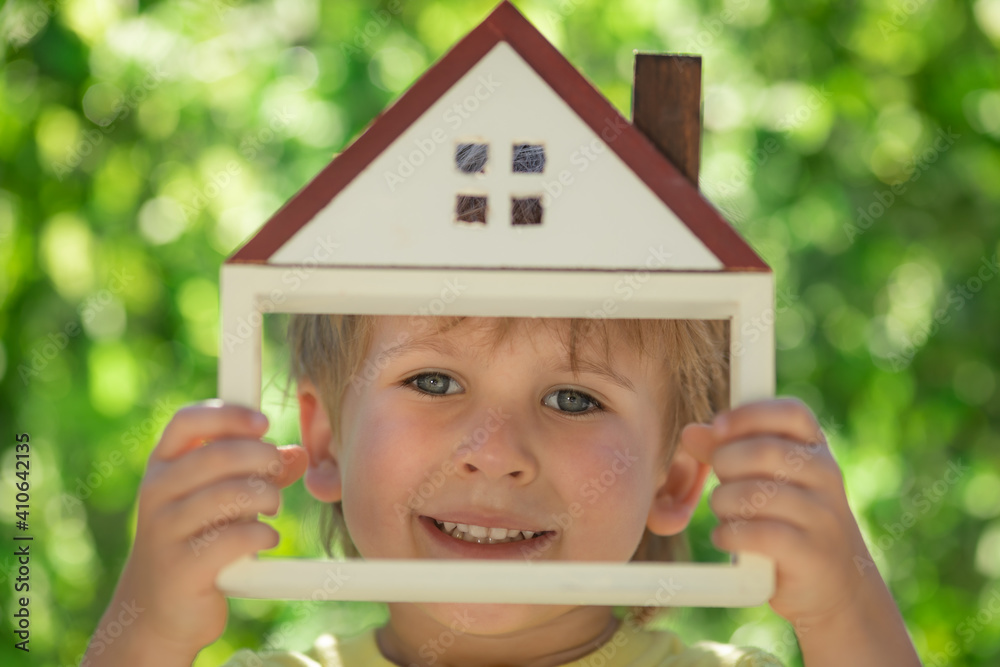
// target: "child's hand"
[[781, 494], [206, 481]]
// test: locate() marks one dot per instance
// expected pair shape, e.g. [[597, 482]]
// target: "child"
[[562, 401]]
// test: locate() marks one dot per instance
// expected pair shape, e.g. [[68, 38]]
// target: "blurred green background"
[[855, 145]]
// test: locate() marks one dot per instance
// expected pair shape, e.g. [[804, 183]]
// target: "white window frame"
[[745, 298]]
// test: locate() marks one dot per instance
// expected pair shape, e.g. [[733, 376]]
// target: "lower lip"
[[456, 548]]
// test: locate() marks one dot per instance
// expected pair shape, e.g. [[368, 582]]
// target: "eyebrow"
[[599, 369], [434, 344], [444, 346]]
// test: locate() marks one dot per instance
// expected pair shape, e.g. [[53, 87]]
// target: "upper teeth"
[[482, 534]]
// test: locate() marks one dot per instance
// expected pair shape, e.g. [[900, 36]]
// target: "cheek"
[[609, 483], [382, 465]]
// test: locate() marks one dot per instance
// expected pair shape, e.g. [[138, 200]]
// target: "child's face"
[[512, 440], [505, 441]]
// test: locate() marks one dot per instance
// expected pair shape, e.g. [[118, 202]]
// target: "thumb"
[[294, 460], [699, 441]]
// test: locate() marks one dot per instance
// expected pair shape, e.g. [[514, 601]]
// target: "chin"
[[491, 619]]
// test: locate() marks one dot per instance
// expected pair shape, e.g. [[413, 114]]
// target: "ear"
[[678, 494], [323, 474]]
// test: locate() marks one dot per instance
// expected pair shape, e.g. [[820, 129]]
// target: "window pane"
[[527, 211], [529, 158], [471, 158], [471, 209]]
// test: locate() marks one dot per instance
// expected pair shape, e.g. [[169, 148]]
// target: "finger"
[[214, 550], [700, 441], [202, 422], [788, 417], [765, 499], [778, 460], [295, 460], [775, 539], [211, 463], [216, 507]]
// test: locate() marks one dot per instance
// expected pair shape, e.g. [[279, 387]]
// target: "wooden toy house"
[[504, 172]]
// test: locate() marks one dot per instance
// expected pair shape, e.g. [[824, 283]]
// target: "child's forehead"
[[490, 334], [469, 328]]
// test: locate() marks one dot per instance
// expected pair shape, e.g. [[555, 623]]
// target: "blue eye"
[[572, 402], [435, 384]]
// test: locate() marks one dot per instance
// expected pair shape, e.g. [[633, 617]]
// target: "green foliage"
[[855, 145]]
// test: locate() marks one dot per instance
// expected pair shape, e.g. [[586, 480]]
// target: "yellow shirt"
[[629, 647]]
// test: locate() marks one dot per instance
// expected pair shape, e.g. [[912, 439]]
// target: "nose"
[[498, 448]]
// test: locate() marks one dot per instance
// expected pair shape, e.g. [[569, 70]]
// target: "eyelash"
[[597, 407]]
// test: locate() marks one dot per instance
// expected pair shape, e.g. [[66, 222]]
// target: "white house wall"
[[400, 210]]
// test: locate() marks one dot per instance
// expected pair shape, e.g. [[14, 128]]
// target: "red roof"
[[505, 23]]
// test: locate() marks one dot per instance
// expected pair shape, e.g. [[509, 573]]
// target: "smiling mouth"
[[484, 535]]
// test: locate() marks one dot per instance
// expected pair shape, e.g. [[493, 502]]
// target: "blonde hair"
[[329, 351]]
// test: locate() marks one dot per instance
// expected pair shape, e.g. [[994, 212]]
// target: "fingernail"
[[259, 420]]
